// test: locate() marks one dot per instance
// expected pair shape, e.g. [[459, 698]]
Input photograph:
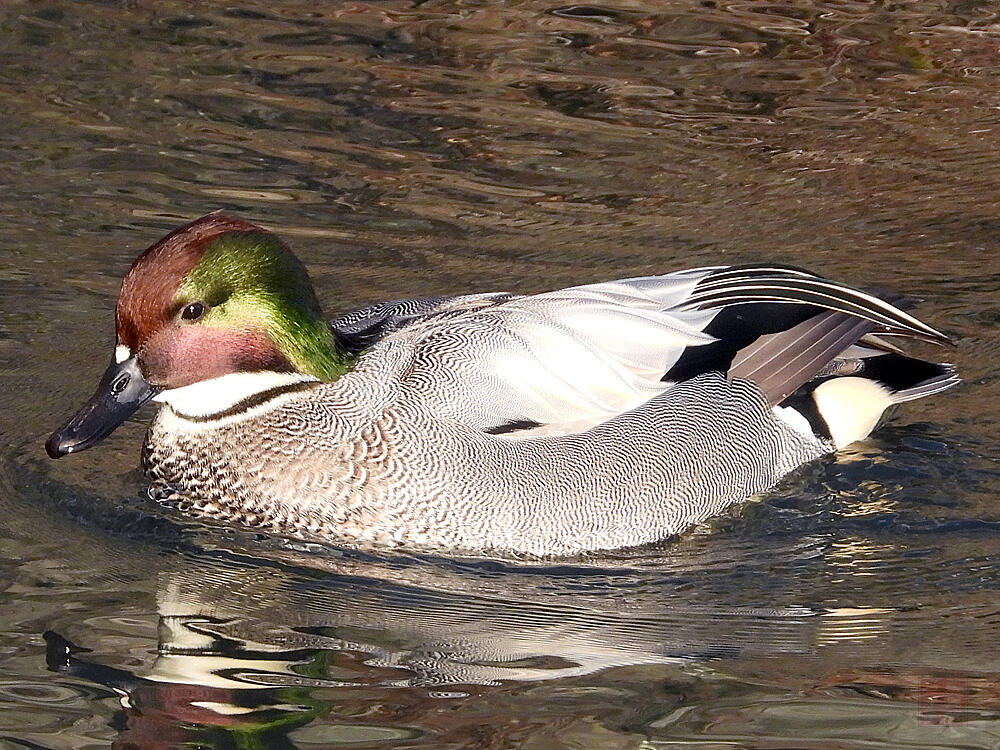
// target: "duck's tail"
[[847, 407], [814, 345]]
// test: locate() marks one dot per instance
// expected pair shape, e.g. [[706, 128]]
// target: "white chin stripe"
[[122, 353], [218, 394]]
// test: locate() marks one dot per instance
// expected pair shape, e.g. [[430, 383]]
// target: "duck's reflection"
[[324, 649], [257, 650], [198, 698]]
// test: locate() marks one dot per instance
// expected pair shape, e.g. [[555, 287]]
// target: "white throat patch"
[[218, 394]]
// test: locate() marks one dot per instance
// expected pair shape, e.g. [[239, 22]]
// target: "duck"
[[603, 416]]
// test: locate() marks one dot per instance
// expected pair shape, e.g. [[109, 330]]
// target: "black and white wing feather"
[[781, 327], [755, 284]]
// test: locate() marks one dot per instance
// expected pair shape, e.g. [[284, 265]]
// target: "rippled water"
[[409, 149]]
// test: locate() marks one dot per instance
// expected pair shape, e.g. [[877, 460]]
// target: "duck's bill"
[[120, 393]]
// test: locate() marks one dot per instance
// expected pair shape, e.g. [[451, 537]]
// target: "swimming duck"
[[596, 417]]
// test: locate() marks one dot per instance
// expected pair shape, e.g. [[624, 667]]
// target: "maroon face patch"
[[181, 355]]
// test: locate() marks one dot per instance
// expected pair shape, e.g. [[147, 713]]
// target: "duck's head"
[[215, 297]]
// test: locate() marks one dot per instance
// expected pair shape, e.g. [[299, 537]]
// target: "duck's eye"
[[194, 311]]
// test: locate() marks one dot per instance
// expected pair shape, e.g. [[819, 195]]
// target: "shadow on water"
[[420, 148]]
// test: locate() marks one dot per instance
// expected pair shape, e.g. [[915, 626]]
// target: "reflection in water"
[[261, 648], [176, 706], [434, 147]]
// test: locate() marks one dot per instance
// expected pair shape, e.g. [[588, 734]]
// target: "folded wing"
[[561, 362]]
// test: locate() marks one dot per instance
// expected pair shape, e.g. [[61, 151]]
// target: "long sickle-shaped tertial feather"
[[734, 286]]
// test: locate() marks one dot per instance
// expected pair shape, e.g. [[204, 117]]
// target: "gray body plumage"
[[534, 425]]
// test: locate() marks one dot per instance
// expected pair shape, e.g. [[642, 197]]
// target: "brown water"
[[411, 149]]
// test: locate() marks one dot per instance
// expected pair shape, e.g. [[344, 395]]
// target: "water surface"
[[436, 147]]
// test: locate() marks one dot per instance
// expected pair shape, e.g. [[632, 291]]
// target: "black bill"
[[120, 393]]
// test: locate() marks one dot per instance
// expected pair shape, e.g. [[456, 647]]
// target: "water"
[[408, 149]]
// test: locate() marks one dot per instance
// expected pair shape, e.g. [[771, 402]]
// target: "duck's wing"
[[780, 327], [361, 328], [563, 361], [560, 361]]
